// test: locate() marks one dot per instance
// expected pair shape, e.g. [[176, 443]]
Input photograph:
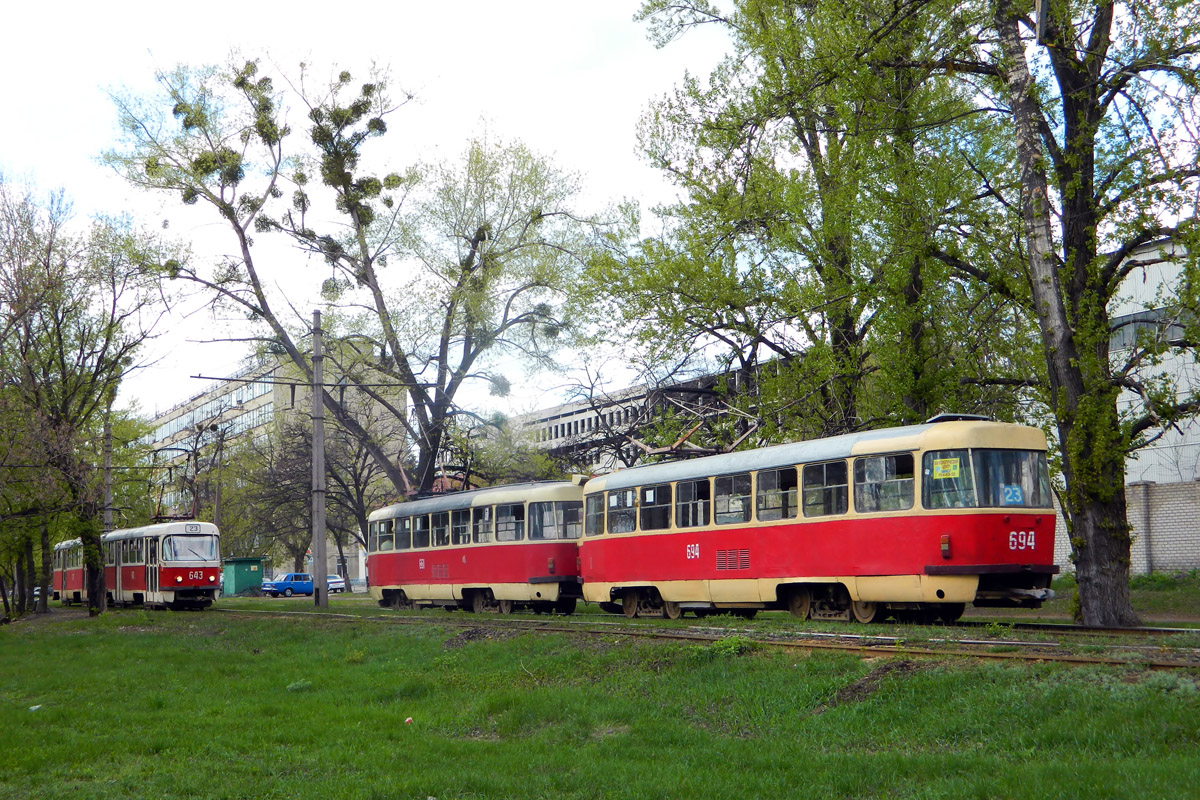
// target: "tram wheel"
[[629, 603], [949, 613], [506, 606], [799, 603], [564, 605], [865, 612], [478, 602], [671, 610]]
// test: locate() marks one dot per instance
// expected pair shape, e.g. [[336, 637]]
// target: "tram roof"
[[935, 435], [531, 491], [157, 529]]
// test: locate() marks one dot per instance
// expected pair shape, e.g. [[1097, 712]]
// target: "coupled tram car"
[[170, 565], [502, 548], [912, 523]]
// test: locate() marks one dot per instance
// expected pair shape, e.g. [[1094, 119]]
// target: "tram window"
[[655, 514], [691, 503], [510, 522], [593, 518], [110, 553], [386, 541], [481, 524], [776, 495], [570, 514], [946, 480], [460, 526], [420, 531], [825, 491], [373, 537], [403, 533], [622, 513], [1011, 478], [441, 529], [883, 483], [542, 522], [732, 498]]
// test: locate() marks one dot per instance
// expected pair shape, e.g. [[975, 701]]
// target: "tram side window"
[[460, 526], [386, 542], [691, 503], [621, 510], [883, 483], [656, 507], [570, 514], [542, 522], [946, 480], [481, 524], [776, 496], [403, 532], [110, 553], [825, 489], [373, 537], [510, 522], [732, 502], [593, 518], [420, 531], [441, 529]]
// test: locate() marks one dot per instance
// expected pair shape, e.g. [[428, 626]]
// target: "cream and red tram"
[[912, 522], [501, 548], [169, 565]]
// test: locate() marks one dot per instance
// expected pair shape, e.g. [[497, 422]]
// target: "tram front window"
[[189, 548], [985, 479]]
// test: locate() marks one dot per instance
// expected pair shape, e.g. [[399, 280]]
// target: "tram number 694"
[[1021, 540], [693, 551]]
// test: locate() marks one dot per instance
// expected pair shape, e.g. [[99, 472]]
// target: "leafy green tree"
[[75, 313], [470, 267]]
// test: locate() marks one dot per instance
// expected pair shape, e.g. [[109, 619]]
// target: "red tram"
[[500, 548], [912, 522], [170, 565]]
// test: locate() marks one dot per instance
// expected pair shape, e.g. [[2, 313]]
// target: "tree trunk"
[[1082, 397], [93, 572], [47, 568]]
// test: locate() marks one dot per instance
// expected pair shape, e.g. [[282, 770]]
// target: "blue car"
[[289, 584]]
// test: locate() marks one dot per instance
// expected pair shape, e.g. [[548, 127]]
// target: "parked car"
[[289, 584], [336, 583]]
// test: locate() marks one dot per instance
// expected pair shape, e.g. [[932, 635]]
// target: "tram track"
[[866, 644]]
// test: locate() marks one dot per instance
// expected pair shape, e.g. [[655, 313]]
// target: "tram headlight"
[[212, 578], [179, 579]]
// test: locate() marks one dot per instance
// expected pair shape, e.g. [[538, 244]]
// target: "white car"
[[336, 583]]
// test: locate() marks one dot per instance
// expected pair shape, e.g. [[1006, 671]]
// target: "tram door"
[[152, 565]]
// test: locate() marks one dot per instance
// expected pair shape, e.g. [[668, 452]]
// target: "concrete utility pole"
[[320, 571]]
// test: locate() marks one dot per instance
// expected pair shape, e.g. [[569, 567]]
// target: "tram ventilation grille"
[[441, 570], [733, 559]]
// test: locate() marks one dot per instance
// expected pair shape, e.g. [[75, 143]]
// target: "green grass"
[[162, 705]]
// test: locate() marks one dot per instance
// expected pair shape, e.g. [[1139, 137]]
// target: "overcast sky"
[[570, 79]]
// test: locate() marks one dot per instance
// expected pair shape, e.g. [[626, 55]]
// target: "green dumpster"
[[242, 575]]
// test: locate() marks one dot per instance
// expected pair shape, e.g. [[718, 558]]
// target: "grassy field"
[[163, 705]]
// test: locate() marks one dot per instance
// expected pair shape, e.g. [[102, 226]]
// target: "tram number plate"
[[1021, 540], [195, 575], [693, 551]]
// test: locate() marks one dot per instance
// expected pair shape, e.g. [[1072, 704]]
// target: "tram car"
[[500, 548], [169, 565], [911, 522]]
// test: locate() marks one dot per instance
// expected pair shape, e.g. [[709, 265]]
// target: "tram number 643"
[[195, 575], [1021, 540]]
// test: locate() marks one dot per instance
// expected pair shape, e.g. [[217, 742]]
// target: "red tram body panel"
[[173, 564], [913, 521], [500, 548]]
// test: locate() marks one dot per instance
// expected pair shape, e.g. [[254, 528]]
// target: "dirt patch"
[[867, 685], [53, 614], [477, 634]]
